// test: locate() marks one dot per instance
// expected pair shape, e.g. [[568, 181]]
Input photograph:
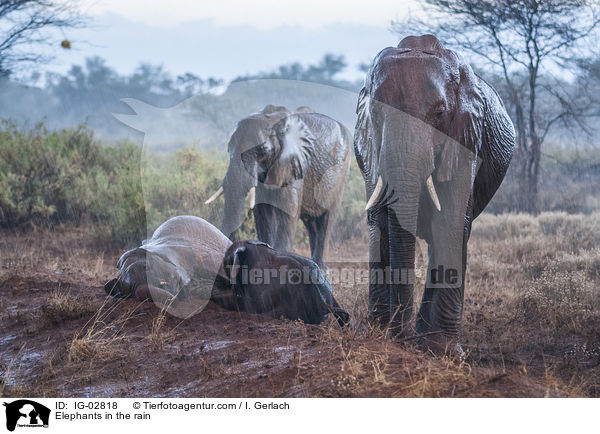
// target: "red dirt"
[[217, 353]]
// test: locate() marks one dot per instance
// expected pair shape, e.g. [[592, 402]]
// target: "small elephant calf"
[[280, 284]]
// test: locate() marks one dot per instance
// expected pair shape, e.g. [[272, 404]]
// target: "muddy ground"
[[61, 336]]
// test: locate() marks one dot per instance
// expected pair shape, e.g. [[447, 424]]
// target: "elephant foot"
[[441, 345]]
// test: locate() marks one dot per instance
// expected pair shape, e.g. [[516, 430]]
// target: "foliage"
[[323, 72], [568, 182], [48, 178], [179, 183]]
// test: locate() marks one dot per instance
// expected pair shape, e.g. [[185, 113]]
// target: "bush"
[[568, 182], [55, 177], [179, 183], [351, 221]]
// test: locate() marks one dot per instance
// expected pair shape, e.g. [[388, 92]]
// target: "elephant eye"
[[438, 111]]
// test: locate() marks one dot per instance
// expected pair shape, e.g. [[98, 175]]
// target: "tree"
[[25, 24], [323, 72], [529, 43], [327, 68]]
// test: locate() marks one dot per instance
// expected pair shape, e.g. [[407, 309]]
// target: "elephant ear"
[[363, 132], [296, 143], [234, 261], [367, 145], [466, 125]]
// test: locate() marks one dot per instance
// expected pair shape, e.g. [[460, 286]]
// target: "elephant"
[[295, 166], [176, 268], [279, 284], [433, 141], [188, 262]]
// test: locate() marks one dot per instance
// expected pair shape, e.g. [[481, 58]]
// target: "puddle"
[[177, 391], [96, 391], [21, 369], [217, 345], [7, 339], [33, 356], [286, 353]]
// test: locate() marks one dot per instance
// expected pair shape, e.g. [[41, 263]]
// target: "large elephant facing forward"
[[433, 141], [294, 165]]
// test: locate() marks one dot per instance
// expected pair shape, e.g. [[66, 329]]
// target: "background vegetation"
[[49, 178]]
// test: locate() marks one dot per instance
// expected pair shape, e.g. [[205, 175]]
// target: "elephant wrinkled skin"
[[433, 141]]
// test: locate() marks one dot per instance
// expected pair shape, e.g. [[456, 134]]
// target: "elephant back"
[[329, 163], [191, 242]]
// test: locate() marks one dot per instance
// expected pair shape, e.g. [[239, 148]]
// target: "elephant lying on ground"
[[295, 166], [188, 262], [433, 142], [280, 284]]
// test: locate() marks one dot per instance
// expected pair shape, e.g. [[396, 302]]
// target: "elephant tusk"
[[432, 193], [252, 197], [214, 196], [375, 194]]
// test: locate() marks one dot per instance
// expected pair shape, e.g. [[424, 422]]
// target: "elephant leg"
[[440, 314], [400, 277], [274, 226], [379, 262], [318, 235]]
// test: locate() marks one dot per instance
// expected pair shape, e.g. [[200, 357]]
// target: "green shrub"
[[351, 221], [179, 183], [55, 177]]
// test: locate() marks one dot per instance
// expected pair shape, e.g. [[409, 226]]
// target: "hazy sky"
[[263, 14], [227, 38]]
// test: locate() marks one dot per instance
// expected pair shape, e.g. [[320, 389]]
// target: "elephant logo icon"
[[26, 413]]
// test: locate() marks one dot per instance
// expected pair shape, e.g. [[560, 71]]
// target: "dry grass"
[[156, 336], [533, 293], [100, 337], [531, 326], [64, 305]]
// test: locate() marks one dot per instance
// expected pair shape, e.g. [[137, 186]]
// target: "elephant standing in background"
[[433, 141], [294, 165]]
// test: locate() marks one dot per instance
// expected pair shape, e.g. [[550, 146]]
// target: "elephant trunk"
[[407, 161], [236, 185]]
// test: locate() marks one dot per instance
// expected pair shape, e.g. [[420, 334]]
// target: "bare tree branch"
[[27, 24]]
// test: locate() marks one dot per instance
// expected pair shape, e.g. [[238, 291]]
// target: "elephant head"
[[425, 122], [270, 149]]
